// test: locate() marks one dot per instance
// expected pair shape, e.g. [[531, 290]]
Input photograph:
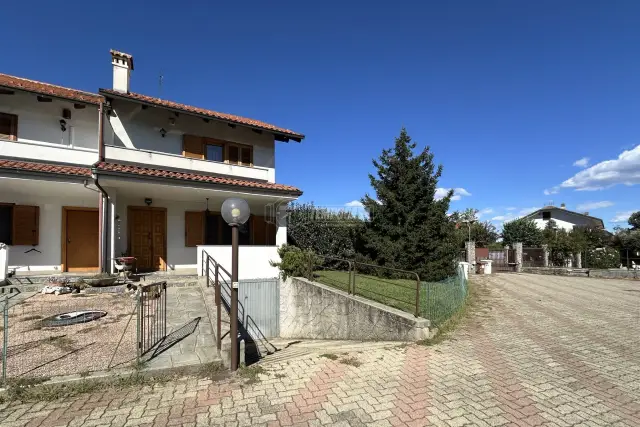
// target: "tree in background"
[[593, 237], [407, 228], [634, 221], [323, 231], [627, 240], [522, 230], [483, 233]]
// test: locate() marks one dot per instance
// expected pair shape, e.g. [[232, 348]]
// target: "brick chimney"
[[122, 67]]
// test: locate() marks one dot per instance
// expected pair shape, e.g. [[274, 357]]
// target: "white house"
[[563, 218], [85, 178]]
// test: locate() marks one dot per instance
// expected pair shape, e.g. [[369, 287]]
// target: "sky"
[[524, 103]]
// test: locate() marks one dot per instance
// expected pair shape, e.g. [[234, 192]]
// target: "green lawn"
[[438, 301]]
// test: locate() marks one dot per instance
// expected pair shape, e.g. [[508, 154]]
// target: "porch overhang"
[[44, 171], [187, 179]]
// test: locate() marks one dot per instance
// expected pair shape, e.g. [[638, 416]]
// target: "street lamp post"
[[235, 212]]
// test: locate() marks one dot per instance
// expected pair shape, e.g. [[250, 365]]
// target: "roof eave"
[[135, 176], [284, 136], [66, 98]]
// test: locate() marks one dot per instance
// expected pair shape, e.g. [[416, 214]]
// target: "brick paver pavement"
[[539, 350]]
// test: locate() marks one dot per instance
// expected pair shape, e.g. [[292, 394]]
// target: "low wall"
[[313, 310], [253, 261], [584, 272]]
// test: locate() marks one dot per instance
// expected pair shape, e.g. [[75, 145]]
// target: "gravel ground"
[[37, 351]]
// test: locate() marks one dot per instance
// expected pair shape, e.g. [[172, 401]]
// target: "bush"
[[323, 231], [602, 258], [294, 262]]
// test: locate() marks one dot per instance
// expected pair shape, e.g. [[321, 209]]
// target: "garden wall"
[[313, 310], [583, 272]]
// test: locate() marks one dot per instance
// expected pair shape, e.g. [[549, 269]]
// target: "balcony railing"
[[42, 151], [156, 159]]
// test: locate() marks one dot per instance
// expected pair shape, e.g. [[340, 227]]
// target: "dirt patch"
[[35, 350]]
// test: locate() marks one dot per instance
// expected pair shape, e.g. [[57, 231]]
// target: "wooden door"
[[147, 237], [82, 241], [158, 236]]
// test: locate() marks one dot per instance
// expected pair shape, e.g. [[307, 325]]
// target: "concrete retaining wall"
[[583, 272], [313, 310]]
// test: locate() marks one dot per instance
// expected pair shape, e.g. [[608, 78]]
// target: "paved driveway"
[[540, 350]]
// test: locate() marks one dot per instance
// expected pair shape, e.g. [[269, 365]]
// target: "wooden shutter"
[[259, 230], [9, 126], [192, 147], [246, 156], [193, 229], [233, 153], [26, 220], [270, 233]]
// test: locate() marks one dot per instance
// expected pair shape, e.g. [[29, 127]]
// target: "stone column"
[[471, 256], [545, 255], [579, 260], [518, 248]]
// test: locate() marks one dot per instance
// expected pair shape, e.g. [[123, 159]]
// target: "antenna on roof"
[[160, 78]]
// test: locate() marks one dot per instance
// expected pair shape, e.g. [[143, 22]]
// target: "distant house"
[[564, 218]]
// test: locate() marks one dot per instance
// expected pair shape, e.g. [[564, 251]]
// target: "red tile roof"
[[45, 167], [201, 111], [187, 176], [49, 89]]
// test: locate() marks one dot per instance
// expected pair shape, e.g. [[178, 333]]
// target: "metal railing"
[[444, 298], [152, 316], [391, 286]]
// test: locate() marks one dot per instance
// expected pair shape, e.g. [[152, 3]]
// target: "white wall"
[[253, 261], [178, 256], [564, 220], [50, 198], [39, 122], [140, 128]]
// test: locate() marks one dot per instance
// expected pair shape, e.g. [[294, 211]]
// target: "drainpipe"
[[101, 221], [103, 213]]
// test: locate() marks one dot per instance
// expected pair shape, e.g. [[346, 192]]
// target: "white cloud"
[[458, 193], [354, 203], [621, 216], [593, 205], [582, 163], [502, 217], [550, 191], [511, 208], [484, 211], [623, 170]]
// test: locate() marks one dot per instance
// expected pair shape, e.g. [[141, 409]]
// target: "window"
[[8, 126], [546, 215], [198, 147], [210, 229], [214, 152], [19, 225]]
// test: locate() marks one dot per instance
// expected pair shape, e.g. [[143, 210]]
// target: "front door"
[[81, 239], [147, 237]]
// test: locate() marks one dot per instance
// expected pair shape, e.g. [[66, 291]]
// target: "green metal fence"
[[443, 299]]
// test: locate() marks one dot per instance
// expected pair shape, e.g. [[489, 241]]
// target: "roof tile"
[[49, 89], [196, 110], [45, 167], [188, 176]]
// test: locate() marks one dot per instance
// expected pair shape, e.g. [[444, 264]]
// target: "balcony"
[[154, 159], [42, 151]]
